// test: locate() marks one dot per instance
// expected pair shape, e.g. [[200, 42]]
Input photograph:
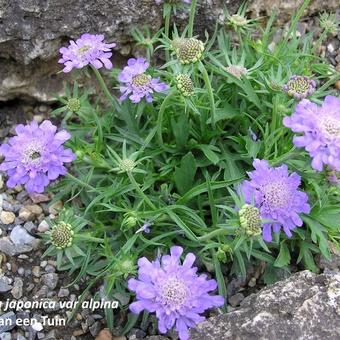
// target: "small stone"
[[63, 292], [43, 226], [21, 271], [5, 336], [30, 227], [252, 282], [1, 182], [50, 280], [236, 299], [36, 271], [7, 322], [4, 285], [17, 291], [105, 334], [49, 269], [40, 198], [337, 85], [19, 235], [7, 217], [11, 249], [35, 209], [43, 264], [95, 328], [38, 118], [78, 332], [25, 214]]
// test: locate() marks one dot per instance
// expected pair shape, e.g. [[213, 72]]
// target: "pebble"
[[40, 198], [11, 249], [7, 217], [7, 325], [49, 269], [21, 271], [50, 280], [36, 271], [17, 290], [25, 214], [63, 292], [30, 227], [34, 208], [1, 182], [5, 336], [337, 85], [236, 299], [4, 284], [19, 235], [252, 282], [95, 328], [105, 334], [43, 227]]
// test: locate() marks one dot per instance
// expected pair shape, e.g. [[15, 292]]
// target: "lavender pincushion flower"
[[320, 129], [276, 194], [88, 49], [174, 291], [35, 156], [137, 84]]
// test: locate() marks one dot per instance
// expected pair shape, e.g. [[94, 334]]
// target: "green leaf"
[[283, 258], [184, 174], [209, 153]]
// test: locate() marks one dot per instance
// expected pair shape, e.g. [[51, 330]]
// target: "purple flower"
[[174, 291], [137, 83], [300, 87], [88, 49], [35, 156], [320, 129], [276, 194]]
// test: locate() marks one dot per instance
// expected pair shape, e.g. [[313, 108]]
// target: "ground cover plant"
[[227, 153]]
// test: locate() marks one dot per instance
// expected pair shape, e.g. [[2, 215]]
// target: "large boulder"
[[304, 306], [32, 31]]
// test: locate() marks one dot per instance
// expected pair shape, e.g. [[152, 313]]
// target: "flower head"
[[88, 49], [275, 193], [35, 156], [73, 104], [185, 85], [329, 22], [238, 20], [236, 70], [320, 131], [62, 235], [188, 50], [250, 220], [300, 87], [137, 84], [174, 291]]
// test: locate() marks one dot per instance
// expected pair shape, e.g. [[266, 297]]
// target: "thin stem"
[[104, 88], [140, 191], [167, 32], [160, 117], [192, 17], [210, 92]]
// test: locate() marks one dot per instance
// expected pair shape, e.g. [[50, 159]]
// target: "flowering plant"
[[219, 153]]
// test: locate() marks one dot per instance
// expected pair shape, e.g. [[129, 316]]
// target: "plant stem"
[[160, 117], [167, 32], [210, 92], [192, 18], [104, 88], [140, 191]]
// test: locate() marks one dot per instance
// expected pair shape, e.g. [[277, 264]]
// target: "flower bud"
[[185, 85], [62, 235], [250, 220], [189, 50]]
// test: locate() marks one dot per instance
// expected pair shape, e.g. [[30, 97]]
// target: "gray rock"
[[4, 284], [11, 249], [50, 280], [19, 235], [32, 31], [304, 306], [236, 299], [7, 322], [17, 291], [5, 336]]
